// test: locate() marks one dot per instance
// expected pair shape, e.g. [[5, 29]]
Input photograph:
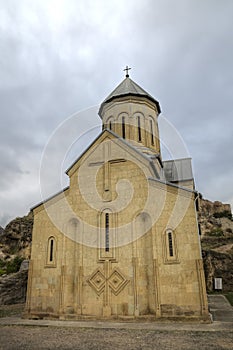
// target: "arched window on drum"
[[152, 141]]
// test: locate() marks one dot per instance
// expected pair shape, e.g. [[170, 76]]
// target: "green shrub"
[[10, 266], [2, 267], [13, 265], [223, 214], [2, 272], [217, 232]]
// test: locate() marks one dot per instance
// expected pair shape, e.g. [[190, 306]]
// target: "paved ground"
[[20, 334], [221, 310]]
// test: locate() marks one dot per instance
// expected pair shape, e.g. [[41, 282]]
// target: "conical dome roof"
[[128, 88]]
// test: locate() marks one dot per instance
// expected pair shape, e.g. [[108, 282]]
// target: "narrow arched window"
[[171, 249], [51, 251], [151, 132], [139, 130], [170, 243], [110, 125], [107, 232], [123, 127]]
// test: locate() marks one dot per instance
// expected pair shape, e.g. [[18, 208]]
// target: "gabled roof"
[[175, 170], [124, 142], [128, 88]]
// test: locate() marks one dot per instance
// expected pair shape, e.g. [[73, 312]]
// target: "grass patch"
[[229, 297]]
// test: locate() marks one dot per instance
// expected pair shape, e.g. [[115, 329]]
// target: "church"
[[122, 240]]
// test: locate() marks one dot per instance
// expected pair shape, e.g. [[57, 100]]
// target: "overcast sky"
[[61, 57]]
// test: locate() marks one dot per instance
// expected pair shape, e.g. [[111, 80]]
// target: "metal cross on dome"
[[127, 71]]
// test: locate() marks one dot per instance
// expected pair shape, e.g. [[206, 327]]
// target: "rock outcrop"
[[218, 265], [216, 223], [13, 288], [16, 238], [214, 216], [15, 247]]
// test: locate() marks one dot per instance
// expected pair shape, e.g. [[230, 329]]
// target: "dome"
[[128, 88]]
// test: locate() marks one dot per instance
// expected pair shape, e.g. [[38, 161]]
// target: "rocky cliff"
[[214, 216], [15, 247], [13, 288], [216, 224], [15, 239]]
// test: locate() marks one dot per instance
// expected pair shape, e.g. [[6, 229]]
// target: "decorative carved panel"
[[97, 281], [116, 281]]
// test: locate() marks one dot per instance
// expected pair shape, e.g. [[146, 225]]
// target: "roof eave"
[[49, 198], [126, 95]]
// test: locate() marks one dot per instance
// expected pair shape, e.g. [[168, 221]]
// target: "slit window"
[[139, 130], [123, 127], [110, 125], [107, 232], [170, 244], [151, 132], [171, 249], [51, 250]]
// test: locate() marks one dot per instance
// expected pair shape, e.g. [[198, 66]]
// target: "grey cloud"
[[56, 62]]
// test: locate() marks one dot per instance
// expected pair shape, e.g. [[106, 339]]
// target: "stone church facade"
[[122, 239]]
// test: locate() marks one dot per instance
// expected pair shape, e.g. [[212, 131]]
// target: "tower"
[[132, 113]]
